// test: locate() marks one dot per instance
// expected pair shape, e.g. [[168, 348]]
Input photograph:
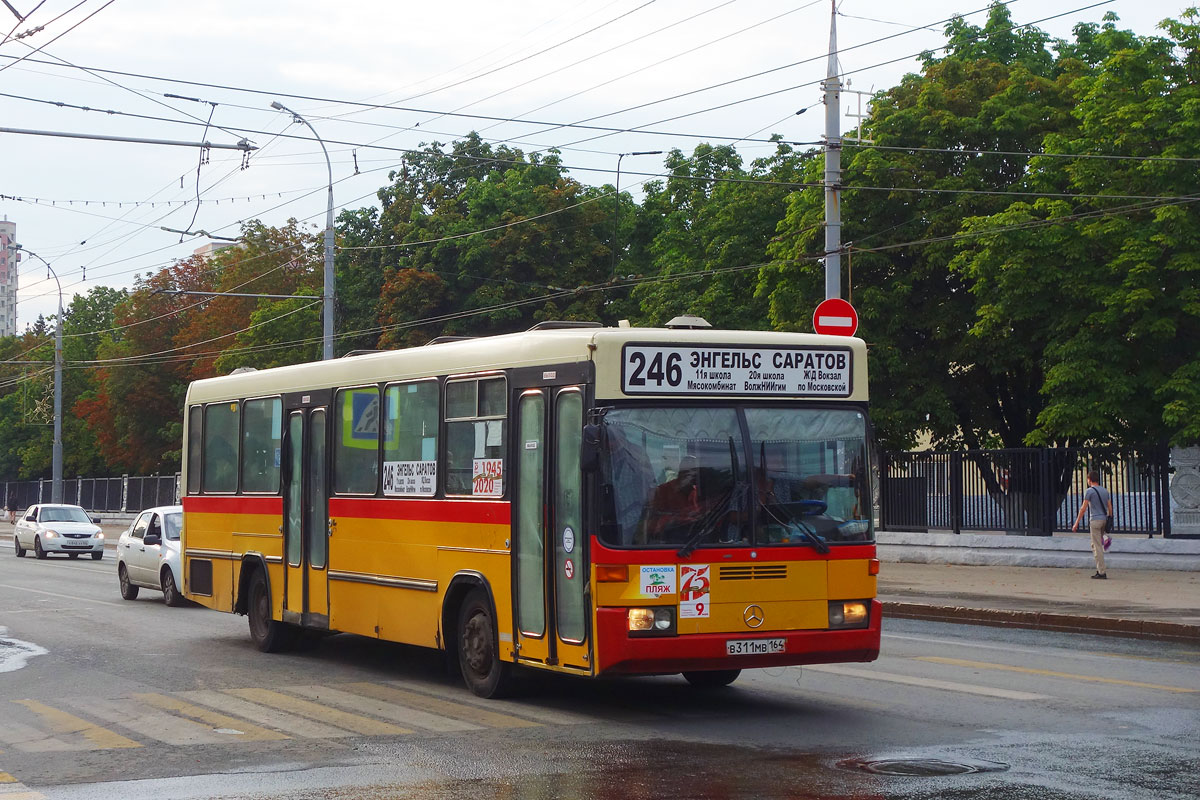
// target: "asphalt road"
[[103, 698]]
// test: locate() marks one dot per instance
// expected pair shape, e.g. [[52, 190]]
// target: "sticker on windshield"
[[693, 590], [658, 581]]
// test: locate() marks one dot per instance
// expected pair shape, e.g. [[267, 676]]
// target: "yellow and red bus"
[[580, 499]]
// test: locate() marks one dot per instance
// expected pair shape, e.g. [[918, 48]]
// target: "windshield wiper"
[[704, 526]]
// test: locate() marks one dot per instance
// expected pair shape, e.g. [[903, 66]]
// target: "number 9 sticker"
[[693, 590]]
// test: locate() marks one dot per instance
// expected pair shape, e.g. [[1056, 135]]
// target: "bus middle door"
[[306, 511], [551, 567]]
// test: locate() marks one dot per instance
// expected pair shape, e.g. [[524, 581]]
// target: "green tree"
[[1112, 287], [904, 203]]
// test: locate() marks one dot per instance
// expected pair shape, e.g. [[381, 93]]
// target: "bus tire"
[[269, 635], [712, 679], [478, 652]]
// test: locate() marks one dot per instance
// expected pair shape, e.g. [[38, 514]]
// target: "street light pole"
[[328, 292], [617, 201], [56, 457]]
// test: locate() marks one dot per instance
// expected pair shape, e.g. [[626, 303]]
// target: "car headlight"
[[848, 614], [100, 534], [49, 534], [657, 621]]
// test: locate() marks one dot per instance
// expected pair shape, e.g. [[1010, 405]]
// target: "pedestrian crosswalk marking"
[[368, 703], [32, 740], [957, 662], [444, 707], [546, 716], [247, 731], [358, 724], [152, 723], [63, 723], [292, 724], [928, 683]]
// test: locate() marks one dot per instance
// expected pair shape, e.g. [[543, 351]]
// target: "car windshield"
[[173, 524], [64, 514], [691, 477]]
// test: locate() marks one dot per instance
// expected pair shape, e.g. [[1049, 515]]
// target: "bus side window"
[[221, 446], [261, 440], [356, 448], [195, 449], [410, 442], [476, 436]]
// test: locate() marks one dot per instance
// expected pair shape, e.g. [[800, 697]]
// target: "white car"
[[148, 554], [55, 528]]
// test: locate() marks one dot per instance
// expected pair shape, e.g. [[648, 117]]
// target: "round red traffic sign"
[[835, 317]]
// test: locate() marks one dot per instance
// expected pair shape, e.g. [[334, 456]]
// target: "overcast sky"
[[653, 65]]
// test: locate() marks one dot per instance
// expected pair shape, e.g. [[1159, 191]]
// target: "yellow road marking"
[[249, 731], [442, 707], [62, 722], [956, 662], [6, 778], [342, 719]]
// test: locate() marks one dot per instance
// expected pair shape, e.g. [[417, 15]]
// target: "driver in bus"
[[675, 503]]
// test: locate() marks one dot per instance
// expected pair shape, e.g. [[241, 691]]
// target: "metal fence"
[[1033, 492], [113, 495]]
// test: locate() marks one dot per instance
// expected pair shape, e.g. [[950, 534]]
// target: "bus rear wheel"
[[712, 679], [269, 635], [478, 654]]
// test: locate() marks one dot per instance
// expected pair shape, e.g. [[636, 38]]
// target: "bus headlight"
[[652, 621], [847, 614]]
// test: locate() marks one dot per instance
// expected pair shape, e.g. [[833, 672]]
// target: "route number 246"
[[671, 373]]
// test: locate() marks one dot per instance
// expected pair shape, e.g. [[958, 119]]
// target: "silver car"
[[148, 554], [55, 528]]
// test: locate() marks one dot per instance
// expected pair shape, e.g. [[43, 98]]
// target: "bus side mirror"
[[589, 452]]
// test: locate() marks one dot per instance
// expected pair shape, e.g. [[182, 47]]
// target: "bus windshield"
[[692, 477]]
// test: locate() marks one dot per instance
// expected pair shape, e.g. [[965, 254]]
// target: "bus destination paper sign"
[[716, 370]]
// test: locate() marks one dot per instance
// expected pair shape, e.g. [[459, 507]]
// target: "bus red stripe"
[[236, 504], [487, 512]]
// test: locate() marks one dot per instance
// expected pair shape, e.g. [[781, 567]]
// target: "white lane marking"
[[64, 596], [1048, 650], [14, 652], [929, 683]]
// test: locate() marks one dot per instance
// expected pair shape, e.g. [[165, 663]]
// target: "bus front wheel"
[[712, 679], [482, 670], [269, 635]]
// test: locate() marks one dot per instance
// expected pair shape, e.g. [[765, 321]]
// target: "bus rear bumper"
[[620, 653]]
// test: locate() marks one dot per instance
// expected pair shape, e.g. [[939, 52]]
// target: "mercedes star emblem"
[[753, 616]]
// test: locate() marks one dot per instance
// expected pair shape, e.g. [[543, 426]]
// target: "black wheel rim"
[[477, 645]]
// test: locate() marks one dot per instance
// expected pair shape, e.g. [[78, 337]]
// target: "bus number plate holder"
[[753, 647]]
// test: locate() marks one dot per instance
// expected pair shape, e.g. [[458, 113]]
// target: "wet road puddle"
[[922, 767]]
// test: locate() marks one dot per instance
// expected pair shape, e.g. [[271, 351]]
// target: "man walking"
[[1098, 503]]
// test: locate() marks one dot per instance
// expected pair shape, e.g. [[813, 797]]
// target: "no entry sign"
[[835, 317]]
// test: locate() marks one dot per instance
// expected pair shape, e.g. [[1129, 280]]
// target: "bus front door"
[[306, 519], [551, 554]]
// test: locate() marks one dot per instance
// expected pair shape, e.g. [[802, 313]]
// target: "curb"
[[1044, 621]]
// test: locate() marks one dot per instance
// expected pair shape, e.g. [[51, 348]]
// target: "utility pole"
[[833, 166]]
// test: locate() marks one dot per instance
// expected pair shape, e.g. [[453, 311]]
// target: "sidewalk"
[[1152, 604]]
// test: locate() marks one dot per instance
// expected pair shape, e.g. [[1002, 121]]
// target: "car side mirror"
[[95, 520], [152, 538]]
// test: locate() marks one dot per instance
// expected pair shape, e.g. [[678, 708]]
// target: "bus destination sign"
[[736, 370]]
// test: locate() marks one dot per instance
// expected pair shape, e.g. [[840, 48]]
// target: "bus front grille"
[[752, 572]]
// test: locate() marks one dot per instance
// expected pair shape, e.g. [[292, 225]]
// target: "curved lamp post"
[[328, 292], [56, 459], [617, 201]]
